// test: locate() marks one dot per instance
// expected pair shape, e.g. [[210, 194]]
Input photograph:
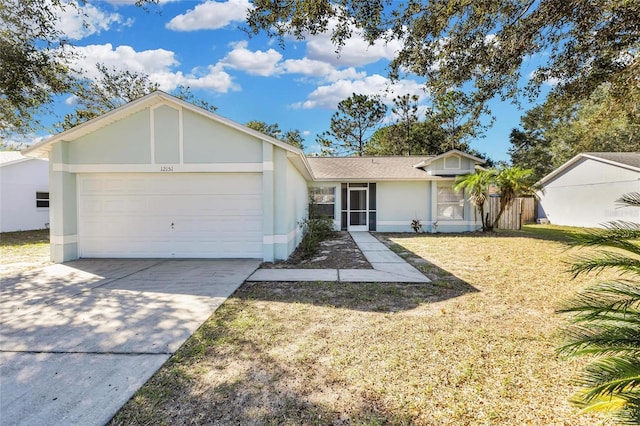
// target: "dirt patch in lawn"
[[337, 252], [21, 251]]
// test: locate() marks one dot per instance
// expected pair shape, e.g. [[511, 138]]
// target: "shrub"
[[315, 230]]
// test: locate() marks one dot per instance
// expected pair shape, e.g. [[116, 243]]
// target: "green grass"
[[551, 232], [21, 251], [24, 238]]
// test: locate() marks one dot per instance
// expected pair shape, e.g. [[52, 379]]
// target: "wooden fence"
[[523, 210]]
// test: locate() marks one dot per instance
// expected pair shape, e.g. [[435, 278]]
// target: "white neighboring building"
[[24, 192], [584, 190]]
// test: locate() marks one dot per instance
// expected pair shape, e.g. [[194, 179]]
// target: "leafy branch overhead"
[[481, 45]]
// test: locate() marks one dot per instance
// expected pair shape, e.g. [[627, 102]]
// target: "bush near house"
[[315, 231]]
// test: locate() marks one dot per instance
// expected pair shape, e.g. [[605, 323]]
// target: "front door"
[[357, 212]]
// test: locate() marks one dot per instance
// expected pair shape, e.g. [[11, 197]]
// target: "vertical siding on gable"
[[206, 141], [166, 130], [124, 142]]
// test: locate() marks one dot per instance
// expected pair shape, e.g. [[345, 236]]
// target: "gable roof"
[[367, 168], [12, 157], [622, 158], [41, 149], [625, 160], [448, 154]]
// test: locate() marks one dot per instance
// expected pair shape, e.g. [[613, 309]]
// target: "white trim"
[[450, 172], [159, 168], [560, 170], [152, 125], [453, 222], [394, 222], [279, 239], [64, 239], [267, 166], [181, 135]]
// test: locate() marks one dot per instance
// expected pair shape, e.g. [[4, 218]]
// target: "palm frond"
[[610, 375], [629, 199], [605, 320], [618, 234], [603, 341], [602, 260], [619, 296]]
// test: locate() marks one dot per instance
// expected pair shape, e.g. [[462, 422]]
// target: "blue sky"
[[200, 45]]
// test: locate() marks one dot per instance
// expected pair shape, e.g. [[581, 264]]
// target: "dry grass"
[[477, 346], [21, 251]]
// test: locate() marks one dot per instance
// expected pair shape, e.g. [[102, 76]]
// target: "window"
[[42, 199], [322, 202], [450, 204]]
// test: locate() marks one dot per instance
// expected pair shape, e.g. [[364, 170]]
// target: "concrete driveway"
[[78, 339]]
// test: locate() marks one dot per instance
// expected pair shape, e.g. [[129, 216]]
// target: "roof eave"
[[551, 176]]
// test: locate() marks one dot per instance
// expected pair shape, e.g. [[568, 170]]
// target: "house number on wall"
[[166, 168]]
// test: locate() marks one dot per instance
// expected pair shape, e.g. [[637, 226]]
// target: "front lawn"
[[477, 346], [21, 251]]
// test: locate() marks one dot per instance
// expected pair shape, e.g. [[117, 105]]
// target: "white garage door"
[[182, 215]]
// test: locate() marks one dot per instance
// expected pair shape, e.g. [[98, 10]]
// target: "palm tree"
[[512, 182], [477, 186], [605, 322]]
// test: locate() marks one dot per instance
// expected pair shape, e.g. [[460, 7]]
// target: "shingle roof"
[[379, 168], [10, 156], [628, 158]]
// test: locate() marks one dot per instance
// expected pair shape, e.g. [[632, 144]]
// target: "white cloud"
[[71, 100], [133, 2], [269, 63], [329, 96], [356, 51], [211, 15], [552, 81], [158, 64], [256, 63], [84, 21], [314, 68]]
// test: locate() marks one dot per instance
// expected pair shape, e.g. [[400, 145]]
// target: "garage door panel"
[[131, 215]]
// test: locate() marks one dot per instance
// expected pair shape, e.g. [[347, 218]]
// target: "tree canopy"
[[482, 46], [352, 125], [35, 61], [292, 137]]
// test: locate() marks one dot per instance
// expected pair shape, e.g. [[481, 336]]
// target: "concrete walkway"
[[387, 266], [78, 339]]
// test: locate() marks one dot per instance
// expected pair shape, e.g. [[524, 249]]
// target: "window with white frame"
[[323, 201], [42, 199], [450, 203]]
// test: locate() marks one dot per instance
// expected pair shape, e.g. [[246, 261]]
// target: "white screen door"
[[357, 209]]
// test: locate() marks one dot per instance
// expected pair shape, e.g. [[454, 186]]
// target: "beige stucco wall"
[[123, 142], [206, 141], [398, 203]]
